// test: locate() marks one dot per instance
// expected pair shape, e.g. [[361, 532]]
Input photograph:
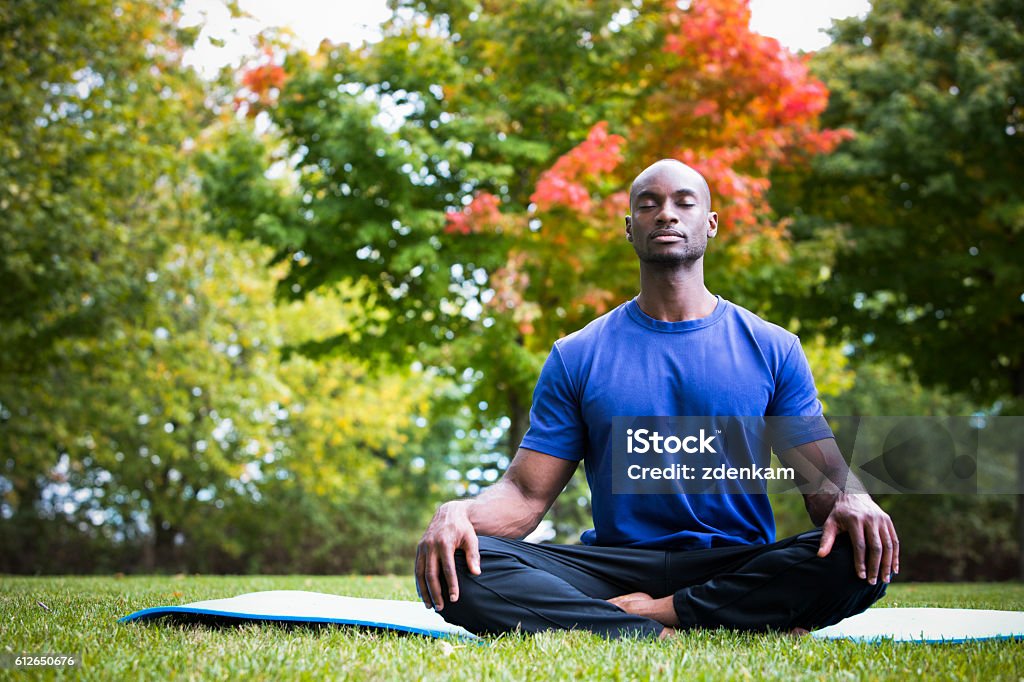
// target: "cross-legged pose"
[[657, 562]]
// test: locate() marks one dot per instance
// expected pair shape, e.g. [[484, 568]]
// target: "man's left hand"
[[876, 547]]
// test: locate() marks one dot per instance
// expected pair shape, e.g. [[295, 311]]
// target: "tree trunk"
[[519, 416], [158, 553], [1018, 394]]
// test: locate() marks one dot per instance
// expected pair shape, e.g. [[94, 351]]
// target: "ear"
[[712, 224], [629, 228]]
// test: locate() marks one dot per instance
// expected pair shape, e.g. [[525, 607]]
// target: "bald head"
[[674, 168]]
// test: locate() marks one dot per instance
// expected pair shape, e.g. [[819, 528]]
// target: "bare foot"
[[643, 604], [622, 600]]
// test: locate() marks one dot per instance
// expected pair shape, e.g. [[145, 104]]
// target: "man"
[[654, 563]]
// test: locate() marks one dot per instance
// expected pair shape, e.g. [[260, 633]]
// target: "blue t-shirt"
[[626, 363]]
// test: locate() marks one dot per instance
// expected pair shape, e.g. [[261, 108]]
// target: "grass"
[[80, 617]]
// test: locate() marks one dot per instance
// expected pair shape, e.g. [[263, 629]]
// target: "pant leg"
[[532, 588], [770, 587]]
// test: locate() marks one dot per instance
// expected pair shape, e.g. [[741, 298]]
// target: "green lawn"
[[81, 617]]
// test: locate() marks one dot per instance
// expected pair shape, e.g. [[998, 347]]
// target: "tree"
[[469, 171], [144, 401], [928, 205], [926, 192], [469, 168], [184, 434], [96, 108]]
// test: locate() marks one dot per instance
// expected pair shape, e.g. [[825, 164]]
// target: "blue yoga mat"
[[293, 606]]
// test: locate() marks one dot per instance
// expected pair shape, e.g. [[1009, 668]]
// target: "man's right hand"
[[510, 508], [449, 530]]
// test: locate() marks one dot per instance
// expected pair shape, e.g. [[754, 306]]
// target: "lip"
[[666, 236]]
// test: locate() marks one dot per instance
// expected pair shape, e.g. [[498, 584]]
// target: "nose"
[[667, 215]]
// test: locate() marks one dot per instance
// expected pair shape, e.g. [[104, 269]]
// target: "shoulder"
[[766, 334], [587, 338]]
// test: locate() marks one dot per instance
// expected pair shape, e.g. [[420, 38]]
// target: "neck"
[[675, 294]]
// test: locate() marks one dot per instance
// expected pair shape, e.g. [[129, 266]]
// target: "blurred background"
[[272, 286]]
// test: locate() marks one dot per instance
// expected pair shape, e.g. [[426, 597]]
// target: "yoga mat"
[[293, 606], [297, 606], [927, 625]]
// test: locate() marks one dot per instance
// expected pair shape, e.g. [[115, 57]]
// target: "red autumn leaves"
[[730, 102]]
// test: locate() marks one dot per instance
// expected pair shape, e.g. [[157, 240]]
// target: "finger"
[[885, 566], [434, 582], [895, 548], [828, 538], [421, 583], [857, 540], [472, 547], [873, 540], [450, 576]]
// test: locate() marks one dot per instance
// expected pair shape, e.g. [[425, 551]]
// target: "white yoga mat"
[[296, 606], [927, 625], [878, 624]]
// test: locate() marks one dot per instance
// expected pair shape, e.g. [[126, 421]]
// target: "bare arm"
[[510, 508], [838, 502]]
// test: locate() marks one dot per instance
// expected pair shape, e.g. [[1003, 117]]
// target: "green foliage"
[[942, 537], [927, 192], [927, 274], [465, 171], [96, 110], [150, 411], [386, 140], [185, 435]]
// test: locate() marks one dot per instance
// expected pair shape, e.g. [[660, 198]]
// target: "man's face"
[[671, 219]]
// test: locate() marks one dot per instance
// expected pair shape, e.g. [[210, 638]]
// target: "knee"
[[841, 564], [466, 610], [470, 610], [491, 550], [495, 555], [848, 591]]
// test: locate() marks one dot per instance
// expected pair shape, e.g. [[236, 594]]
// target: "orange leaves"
[[261, 84], [566, 232], [705, 107], [563, 183], [706, 90], [480, 215], [733, 104], [260, 79], [554, 189]]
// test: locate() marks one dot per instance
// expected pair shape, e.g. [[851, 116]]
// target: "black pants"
[[757, 588]]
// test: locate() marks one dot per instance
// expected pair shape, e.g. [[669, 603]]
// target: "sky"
[[797, 24]]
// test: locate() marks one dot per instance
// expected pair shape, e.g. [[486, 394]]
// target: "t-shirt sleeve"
[[795, 415], [556, 426]]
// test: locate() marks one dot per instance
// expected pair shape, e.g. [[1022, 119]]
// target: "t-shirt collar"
[[645, 320]]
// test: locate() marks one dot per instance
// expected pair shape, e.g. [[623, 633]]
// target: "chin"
[[689, 256]]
